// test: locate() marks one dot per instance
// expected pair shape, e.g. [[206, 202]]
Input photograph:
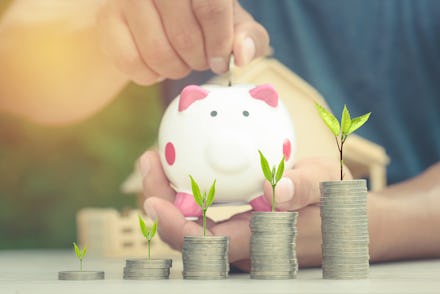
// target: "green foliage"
[[147, 232], [80, 253], [341, 131], [49, 173], [273, 176], [204, 201], [329, 119]]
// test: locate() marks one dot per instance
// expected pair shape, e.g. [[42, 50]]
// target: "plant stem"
[[148, 245], [204, 222], [341, 160], [81, 265], [273, 198]]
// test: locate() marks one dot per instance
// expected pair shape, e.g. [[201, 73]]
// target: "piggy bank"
[[214, 133]]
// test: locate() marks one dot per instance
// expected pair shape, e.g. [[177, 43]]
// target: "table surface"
[[36, 271]]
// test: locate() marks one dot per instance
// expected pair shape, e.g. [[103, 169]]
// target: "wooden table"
[[36, 271]]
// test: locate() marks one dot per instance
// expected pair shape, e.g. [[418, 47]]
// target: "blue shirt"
[[378, 56]]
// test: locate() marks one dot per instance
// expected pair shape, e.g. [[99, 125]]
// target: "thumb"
[[299, 186], [251, 39]]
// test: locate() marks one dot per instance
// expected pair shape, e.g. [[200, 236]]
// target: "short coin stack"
[[205, 258], [81, 275], [273, 245], [344, 225], [147, 269]]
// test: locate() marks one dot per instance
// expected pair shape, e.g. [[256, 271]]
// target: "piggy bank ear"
[[189, 95], [267, 93]]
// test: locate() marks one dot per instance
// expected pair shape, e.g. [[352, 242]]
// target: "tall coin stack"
[[273, 245], [205, 258], [344, 226], [147, 269]]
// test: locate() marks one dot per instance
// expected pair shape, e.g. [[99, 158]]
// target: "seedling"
[[272, 175], [204, 201], [148, 232], [80, 253], [343, 129]]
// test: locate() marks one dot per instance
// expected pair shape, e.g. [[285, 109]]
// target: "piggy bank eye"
[[246, 113], [213, 113]]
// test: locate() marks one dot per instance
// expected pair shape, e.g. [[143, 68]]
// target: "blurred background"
[[48, 173]]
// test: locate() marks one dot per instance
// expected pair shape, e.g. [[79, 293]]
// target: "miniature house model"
[[364, 158]]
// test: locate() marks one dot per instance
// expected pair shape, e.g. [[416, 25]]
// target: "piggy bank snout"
[[229, 153]]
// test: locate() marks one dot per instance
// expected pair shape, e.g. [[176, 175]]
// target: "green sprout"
[[204, 201], [343, 129], [80, 254], [147, 232], [273, 175]]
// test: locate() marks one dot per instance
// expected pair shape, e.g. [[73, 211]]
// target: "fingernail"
[[218, 65], [284, 190], [151, 213], [144, 165], [248, 50]]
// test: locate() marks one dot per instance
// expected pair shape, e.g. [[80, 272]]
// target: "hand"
[[298, 190], [151, 40]]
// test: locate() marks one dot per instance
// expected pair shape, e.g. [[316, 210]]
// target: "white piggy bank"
[[214, 133]]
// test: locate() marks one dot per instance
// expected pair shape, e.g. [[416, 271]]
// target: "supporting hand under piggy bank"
[[214, 132]]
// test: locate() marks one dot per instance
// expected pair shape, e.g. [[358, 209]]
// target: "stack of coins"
[[147, 269], [205, 258], [273, 245], [344, 226], [81, 275]]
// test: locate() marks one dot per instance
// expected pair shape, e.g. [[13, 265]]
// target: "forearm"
[[405, 219], [53, 69]]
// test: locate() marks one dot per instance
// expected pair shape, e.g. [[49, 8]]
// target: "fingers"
[[117, 42], [183, 32], [172, 225], [155, 182], [251, 39], [299, 186], [148, 32], [216, 20], [238, 231], [309, 239], [151, 40]]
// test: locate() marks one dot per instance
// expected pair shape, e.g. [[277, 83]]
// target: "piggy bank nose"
[[228, 153]]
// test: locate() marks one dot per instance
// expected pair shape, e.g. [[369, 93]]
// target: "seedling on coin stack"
[[204, 201], [344, 219], [147, 232], [273, 238], [147, 268], [80, 275], [272, 175], [205, 257], [80, 254]]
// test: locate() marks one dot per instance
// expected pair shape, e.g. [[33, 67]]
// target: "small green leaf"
[[196, 192], [357, 122], [345, 121], [280, 170], [265, 167], [83, 252], [153, 230], [329, 119], [77, 250], [143, 227], [211, 195]]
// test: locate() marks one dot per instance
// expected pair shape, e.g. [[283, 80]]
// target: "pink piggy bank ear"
[[189, 95], [267, 93]]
